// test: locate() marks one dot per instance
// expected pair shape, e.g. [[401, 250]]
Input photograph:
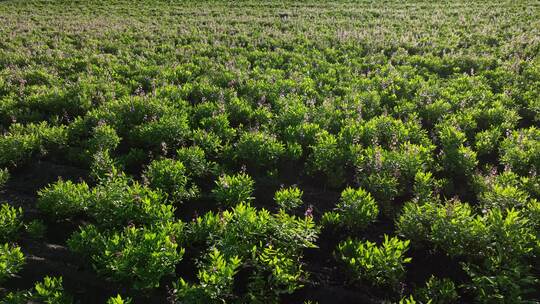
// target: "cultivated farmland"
[[269, 151]]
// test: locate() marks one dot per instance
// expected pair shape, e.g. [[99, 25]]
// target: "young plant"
[[270, 245], [170, 176], [119, 300], [437, 290], [503, 197], [328, 158], [104, 137], [380, 265], [119, 201], [11, 261], [288, 198], [50, 290], [138, 256], [521, 151], [64, 199], [216, 280], [233, 189], [355, 210], [10, 222], [456, 158], [259, 149], [194, 159], [450, 227], [4, 176]]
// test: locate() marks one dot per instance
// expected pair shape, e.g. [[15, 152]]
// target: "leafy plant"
[[194, 159], [437, 290], [216, 281], [104, 138], [64, 199], [450, 227], [170, 176], [11, 261], [233, 189], [141, 256], [259, 149], [327, 157], [520, 150], [10, 222], [50, 290], [379, 265], [355, 210], [24, 141], [288, 198], [119, 300], [456, 158], [4, 176], [118, 201], [503, 197], [270, 245]]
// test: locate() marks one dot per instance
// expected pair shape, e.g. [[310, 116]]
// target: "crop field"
[[300, 152]]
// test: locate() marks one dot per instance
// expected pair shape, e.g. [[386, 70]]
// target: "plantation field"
[[269, 151]]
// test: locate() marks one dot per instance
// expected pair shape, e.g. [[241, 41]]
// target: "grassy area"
[[269, 152]]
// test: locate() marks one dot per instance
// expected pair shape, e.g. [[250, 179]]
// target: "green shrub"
[[355, 210], [233, 189], [4, 176], [504, 197], [388, 132], [523, 187], [511, 237], [450, 227], [510, 283], [22, 142], [259, 149], [219, 124], [216, 280], [10, 222], [520, 150], [496, 246], [533, 214], [118, 201], [194, 159], [387, 174], [138, 256], [379, 265], [170, 176], [426, 187], [11, 261], [64, 199], [50, 290], [289, 198], [211, 144], [410, 300], [271, 245], [163, 134], [102, 165], [239, 110], [327, 157], [456, 158], [305, 134], [442, 291], [487, 142], [104, 137], [119, 300]]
